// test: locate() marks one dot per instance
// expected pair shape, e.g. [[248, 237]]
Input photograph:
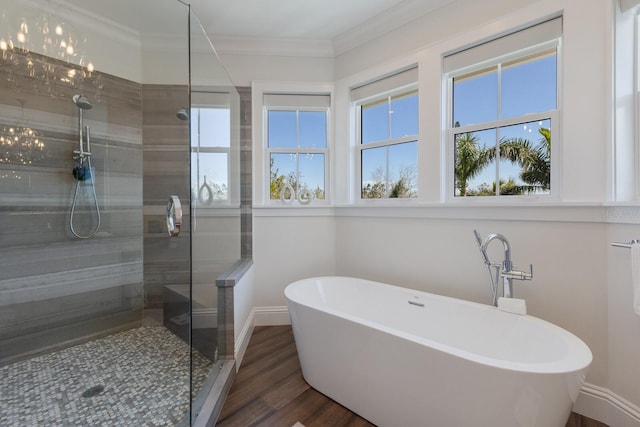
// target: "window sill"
[[277, 210], [594, 212]]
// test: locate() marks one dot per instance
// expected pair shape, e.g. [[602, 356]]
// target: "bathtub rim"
[[568, 364]]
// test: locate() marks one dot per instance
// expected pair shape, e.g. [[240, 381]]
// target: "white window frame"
[[624, 167], [299, 99], [404, 84], [553, 115], [636, 90]]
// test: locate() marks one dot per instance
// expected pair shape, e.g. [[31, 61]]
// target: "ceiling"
[[342, 23], [306, 19]]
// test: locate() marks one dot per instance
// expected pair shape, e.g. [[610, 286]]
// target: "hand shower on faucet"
[[504, 269]]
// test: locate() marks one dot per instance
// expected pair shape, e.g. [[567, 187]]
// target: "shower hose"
[[81, 176]]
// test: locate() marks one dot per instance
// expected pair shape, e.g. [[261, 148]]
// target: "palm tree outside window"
[[502, 114]]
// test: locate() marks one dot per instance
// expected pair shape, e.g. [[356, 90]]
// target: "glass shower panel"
[[95, 318], [215, 193]]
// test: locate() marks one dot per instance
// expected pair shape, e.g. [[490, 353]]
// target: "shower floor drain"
[[93, 391]]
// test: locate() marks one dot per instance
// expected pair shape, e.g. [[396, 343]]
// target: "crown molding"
[[234, 45], [379, 25], [87, 21]]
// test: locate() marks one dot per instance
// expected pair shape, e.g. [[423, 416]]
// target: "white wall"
[[437, 254], [244, 69], [242, 309], [580, 282], [287, 248]]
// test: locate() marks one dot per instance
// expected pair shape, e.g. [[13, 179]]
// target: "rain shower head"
[[183, 114], [82, 102]]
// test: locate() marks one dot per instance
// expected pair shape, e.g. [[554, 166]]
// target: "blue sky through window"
[[299, 130], [387, 120], [527, 86], [524, 86]]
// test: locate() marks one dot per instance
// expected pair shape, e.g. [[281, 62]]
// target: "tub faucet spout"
[[506, 270]]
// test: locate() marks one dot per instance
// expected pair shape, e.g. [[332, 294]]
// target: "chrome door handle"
[[174, 216]]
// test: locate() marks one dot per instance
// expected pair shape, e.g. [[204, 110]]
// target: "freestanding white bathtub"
[[400, 357]]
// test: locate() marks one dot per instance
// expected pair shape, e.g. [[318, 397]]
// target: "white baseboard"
[[242, 341], [603, 405], [259, 316], [272, 316]]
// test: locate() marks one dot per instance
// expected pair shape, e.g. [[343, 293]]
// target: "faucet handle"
[[519, 275]]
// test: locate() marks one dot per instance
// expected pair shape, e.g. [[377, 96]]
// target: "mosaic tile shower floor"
[[144, 372]]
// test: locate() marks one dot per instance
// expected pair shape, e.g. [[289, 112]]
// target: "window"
[[297, 149], [503, 113], [210, 148], [626, 147], [387, 112]]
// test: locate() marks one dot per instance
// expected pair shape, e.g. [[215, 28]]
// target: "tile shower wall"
[[54, 287], [166, 172]]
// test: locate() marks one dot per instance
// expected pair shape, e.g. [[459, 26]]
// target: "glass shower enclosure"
[[119, 207]]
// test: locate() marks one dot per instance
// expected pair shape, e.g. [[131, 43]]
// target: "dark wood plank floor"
[[269, 390]]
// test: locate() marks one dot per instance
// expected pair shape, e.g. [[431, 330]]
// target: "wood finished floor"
[[269, 390]]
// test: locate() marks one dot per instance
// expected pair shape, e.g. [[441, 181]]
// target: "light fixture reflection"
[[20, 145], [55, 40]]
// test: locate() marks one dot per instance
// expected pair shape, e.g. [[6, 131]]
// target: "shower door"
[[96, 324]]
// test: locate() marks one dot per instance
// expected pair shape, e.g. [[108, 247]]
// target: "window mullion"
[[525, 118], [389, 113], [497, 148], [298, 150], [198, 153], [391, 142]]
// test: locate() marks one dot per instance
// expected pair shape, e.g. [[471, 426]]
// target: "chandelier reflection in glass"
[[53, 42], [20, 145]]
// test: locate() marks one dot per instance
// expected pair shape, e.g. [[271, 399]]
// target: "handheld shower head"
[[82, 102], [183, 113], [482, 250]]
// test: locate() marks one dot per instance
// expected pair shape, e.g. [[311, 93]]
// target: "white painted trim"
[[259, 316], [271, 316], [391, 19], [604, 405], [243, 339], [260, 164]]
